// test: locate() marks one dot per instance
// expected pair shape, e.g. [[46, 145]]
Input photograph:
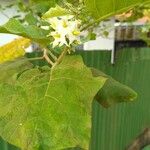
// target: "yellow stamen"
[[65, 24], [53, 25], [76, 33], [56, 36]]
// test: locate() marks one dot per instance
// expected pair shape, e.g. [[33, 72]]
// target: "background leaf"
[[104, 9], [113, 92], [9, 70], [45, 107], [31, 19], [56, 12], [41, 7], [34, 33], [14, 49]]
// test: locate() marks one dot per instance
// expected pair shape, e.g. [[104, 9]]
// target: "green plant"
[[49, 107]]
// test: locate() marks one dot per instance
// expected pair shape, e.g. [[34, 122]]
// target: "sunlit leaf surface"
[[14, 49], [103, 9], [49, 109]]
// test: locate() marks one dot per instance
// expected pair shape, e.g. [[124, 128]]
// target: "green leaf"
[[91, 36], [31, 19], [113, 92], [56, 12], [41, 7], [10, 69], [103, 9], [34, 33], [49, 110]]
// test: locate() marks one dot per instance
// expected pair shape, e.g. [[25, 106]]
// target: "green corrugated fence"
[[116, 127]]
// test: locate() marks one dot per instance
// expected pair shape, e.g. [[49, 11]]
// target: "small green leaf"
[[31, 19], [34, 33], [113, 92], [106, 33], [49, 110], [40, 7], [91, 36], [56, 12]]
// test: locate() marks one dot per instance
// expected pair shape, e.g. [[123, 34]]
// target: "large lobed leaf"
[[102, 9], [49, 109], [34, 33], [113, 92]]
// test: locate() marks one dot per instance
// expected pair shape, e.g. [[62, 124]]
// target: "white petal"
[[45, 27], [64, 27], [55, 43], [67, 17]]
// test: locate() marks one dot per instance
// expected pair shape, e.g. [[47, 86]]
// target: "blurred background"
[[123, 52]]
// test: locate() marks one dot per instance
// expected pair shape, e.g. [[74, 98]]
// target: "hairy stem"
[[60, 58], [52, 55], [56, 60], [45, 56], [36, 58]]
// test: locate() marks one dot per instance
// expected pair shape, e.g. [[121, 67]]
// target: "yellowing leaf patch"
[[14, 49]]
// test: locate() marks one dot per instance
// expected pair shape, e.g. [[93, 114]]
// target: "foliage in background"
[[42, 106], [141, 14], [14, 49], [34, 33], [113, 92]]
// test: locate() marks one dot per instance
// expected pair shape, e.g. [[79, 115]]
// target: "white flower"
[[66, 30], [59, 39]]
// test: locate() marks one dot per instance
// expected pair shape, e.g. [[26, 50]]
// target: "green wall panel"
[[116, 127]]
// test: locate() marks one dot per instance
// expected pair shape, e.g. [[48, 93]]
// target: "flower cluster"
[[65, 30]]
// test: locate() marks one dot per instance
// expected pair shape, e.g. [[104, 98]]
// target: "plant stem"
[[47, 58], [37, 58], [92, 23], [141, 141], [57, 60], [52, 55], [60, 58]]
